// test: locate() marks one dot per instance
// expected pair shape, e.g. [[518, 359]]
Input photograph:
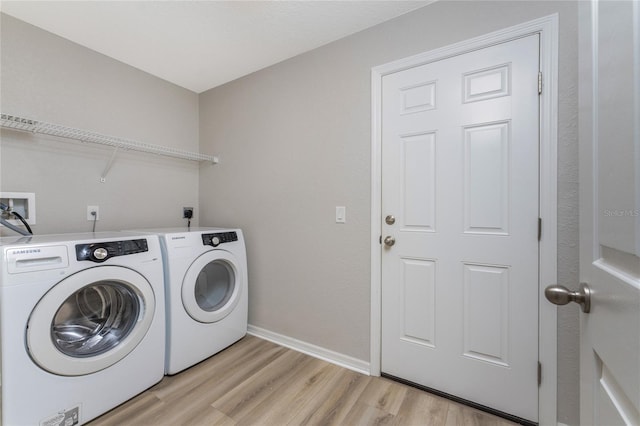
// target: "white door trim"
[[547, 27]]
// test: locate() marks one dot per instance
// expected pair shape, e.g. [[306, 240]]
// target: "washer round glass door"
[[90, 320], [212, 286]]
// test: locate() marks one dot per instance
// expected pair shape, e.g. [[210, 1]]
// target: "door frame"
[[547, 28]]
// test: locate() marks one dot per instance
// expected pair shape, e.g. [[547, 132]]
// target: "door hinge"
[[380, 240], [539, 82], [539, 373], [539, 228]]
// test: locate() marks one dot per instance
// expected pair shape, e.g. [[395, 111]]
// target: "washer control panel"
[[99, 252], [219, 238]]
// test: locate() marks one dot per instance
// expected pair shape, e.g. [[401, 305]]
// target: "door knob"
[[560, 295], [389, 241], [390, 219]]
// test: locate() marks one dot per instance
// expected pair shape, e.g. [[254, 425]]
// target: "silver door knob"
[[389, 241], [390, 219], [560, 295]]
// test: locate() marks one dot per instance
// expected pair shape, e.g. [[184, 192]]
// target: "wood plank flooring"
[[256, 382]]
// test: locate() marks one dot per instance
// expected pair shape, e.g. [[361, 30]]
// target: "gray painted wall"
[[48, 78], [294, 141]]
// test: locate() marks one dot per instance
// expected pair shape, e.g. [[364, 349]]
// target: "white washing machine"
[[206, 291], [81, 324]]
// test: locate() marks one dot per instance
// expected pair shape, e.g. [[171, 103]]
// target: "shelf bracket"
[[103, 176]]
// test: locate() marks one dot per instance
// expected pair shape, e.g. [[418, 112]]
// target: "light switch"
[[341, 214]]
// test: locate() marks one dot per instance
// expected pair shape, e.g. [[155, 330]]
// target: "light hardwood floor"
[[256, 382]]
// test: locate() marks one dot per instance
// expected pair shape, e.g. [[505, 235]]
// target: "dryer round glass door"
[[90, 320], [212, 286]]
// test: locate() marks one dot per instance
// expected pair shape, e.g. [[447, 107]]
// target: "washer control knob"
[[215, 241], [100, 253]]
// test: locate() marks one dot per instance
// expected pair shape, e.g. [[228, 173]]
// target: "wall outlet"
[[91, 210], [187, 212]]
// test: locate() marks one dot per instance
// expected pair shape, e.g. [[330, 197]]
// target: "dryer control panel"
[[219, 238], [99, 252]]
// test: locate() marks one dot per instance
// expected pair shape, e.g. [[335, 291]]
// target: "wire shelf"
[[28, 125]]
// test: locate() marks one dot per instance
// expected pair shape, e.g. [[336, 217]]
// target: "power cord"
[[188, 214], [95, 219]]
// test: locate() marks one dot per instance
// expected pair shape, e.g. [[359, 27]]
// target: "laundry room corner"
[[47, 78], [284, 197]]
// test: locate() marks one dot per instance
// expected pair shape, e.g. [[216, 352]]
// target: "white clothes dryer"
[[81, 324], [206, 292]]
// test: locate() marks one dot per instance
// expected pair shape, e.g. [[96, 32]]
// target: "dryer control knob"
[[215, 241], [100, 253]]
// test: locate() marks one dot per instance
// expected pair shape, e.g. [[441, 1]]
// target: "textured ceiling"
[[202, 44]]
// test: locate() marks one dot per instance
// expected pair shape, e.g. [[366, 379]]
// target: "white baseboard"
[[324, 354]]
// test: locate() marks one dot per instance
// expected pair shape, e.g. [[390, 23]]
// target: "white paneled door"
[[610, 212], [460, 165]]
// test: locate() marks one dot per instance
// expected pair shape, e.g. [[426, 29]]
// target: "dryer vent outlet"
[[187, 212]]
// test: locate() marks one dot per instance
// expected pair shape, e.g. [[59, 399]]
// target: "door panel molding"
[[547, 28]]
